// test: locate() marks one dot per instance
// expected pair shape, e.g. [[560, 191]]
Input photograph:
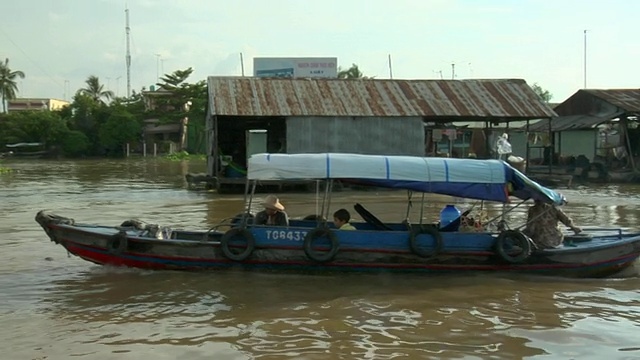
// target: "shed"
[[366, 116], [576, 128]]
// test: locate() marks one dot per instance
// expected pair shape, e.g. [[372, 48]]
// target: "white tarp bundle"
[[492, 180], [375, 167]]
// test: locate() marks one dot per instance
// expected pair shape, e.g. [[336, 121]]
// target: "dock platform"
[[236, 185]]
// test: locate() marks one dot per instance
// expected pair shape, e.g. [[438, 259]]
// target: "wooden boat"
[[315, 245], [27, 150]]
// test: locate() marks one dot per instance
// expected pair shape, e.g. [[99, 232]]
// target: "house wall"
[[361, 135], [28, 104], [55, 104], [577, 142]]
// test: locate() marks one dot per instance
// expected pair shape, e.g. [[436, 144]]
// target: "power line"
[[31, 60]]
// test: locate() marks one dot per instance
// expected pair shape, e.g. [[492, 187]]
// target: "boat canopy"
[[493, 180]]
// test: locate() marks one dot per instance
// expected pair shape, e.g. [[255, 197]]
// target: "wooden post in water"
[[127, 149], [155, 149], [144, 149]]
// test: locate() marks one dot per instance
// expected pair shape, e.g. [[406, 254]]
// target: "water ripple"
[[53, 306]]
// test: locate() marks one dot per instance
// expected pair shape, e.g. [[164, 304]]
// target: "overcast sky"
[[58, 44]]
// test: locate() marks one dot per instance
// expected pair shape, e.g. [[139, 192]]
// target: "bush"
[[75, 143]]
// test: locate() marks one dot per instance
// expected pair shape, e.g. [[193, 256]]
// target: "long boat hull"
[[367, 250]]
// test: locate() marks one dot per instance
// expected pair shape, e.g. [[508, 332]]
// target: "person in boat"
[[542, 225], [273, 213], [341, 220]]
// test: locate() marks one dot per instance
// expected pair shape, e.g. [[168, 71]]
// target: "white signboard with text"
[[296, 67]]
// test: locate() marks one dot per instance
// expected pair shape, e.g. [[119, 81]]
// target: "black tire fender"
[[321, 256], [428, 230], [234, 234], [517, 238], [117, 244], [313, 217]]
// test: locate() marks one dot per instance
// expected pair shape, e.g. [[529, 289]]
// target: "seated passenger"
[[273, 213], [542, 225], [341, 220]]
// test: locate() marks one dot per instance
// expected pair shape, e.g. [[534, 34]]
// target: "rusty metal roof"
[[626, 99], [569, 122], [504, 99]]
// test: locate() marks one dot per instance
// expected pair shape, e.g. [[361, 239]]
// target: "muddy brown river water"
[[57, 307]]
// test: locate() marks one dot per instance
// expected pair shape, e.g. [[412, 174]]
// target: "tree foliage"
[[91, 127], [95, 90], [8, 84], [75, 143], [544, 95], [120, 128], [184, 104], [351, 73], [175, 80], [33, 126]]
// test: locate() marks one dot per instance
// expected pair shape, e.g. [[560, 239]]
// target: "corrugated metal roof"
[[626, 99], [506, 99], [569, 122]]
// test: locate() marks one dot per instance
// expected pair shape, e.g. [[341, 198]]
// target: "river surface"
[[53, 306]]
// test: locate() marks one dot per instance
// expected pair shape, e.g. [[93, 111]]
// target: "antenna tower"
[[128, 57]]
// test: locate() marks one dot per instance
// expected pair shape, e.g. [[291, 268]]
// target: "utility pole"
[[453, 71], [66, 85], [390, 68], [157, 67], [241, 65], [585, 59]]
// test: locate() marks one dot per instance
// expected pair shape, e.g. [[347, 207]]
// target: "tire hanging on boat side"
[[117, 244], [516, 238], [321, 256], [237, 233], [427, 230]]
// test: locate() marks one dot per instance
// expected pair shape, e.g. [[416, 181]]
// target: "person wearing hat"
[[273, 213]]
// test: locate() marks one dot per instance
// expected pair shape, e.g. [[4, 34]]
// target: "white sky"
[[64, 41]]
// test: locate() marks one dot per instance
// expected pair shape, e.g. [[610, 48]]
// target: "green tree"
[[75, 143], [95, 90], [120, 128], [8, 85], [186, 106], [175, 80], [33, 126], [544, 95], [351, 73], [83, 116]]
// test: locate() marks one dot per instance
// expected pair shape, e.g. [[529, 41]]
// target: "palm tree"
[[95, 90], [8, 86], [351, 73]]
